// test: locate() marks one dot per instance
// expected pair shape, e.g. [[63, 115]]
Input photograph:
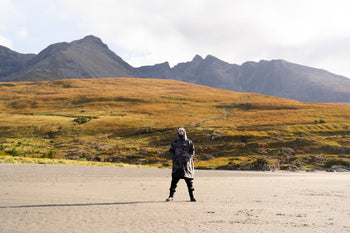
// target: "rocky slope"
[[85, 58], [11, 61], [277, 78]]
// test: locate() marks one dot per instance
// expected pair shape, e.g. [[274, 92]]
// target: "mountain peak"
[[197, 58], [210, 57], [85, 58], [91, 39]]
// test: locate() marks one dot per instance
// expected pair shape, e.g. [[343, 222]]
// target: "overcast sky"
[[315, 33]]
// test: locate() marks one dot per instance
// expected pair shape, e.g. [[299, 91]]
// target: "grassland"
[[123, 120]]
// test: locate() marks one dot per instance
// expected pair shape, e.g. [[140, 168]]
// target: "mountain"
[[284, 79], [277, 78], [91, 58], [209, 72], [11, 61], [85, 58]]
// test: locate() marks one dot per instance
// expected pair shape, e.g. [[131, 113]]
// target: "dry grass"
[[133, 121]]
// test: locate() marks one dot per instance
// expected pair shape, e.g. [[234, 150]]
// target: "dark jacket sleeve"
[[172, 149]]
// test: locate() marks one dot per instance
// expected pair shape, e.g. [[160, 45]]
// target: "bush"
[[260, 164], [50, 155], [229, 166], [285, 166], [333, 162], [82, 119], [13, 152]]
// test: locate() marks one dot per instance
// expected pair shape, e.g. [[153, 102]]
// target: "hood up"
[[184, 137]]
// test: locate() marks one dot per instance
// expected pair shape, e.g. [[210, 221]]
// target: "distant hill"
[[91, 58]]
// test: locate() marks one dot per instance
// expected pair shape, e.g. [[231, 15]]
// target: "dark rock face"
[[11, 61], [159, 71]]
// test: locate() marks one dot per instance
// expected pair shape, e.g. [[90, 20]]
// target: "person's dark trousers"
[[189, 182]]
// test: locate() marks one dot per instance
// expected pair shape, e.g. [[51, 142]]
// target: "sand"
[[55, 198]]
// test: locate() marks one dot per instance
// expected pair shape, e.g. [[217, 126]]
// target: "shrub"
[[260, 164], [82, 119], [229, 166], [13, 152], [50, 155], [166, 164], [333, 162], [284, 166]]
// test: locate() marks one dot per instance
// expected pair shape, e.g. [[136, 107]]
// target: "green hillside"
[[128, 120]]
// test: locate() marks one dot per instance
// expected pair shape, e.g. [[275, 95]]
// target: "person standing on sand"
[[182, 152]]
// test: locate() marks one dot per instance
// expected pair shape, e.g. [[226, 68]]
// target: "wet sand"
[[55, 198]]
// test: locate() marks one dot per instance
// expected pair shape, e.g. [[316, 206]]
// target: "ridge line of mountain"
[[91, 58]]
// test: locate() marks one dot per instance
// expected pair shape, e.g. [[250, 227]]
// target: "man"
[[182, 152]]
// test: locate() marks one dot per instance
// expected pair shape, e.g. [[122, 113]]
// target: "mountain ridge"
[[10, 61], [276, 77], [78, 59], [89, 57]]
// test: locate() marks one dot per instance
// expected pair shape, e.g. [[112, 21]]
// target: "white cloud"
[[331, 54], [5, 42], [6, 9], [135, 27], [23, 33], [146, 32], [9, 18], [154, 31]]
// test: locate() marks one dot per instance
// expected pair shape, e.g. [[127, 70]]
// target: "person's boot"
[[169, 199], [171, 196], [191, 196]]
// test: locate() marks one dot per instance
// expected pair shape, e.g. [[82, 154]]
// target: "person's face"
[[181, 132]]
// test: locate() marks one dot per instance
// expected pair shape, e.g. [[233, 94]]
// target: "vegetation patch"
[[129, 120], [131, 100], [254, 106], [334, 162], [83, 119]]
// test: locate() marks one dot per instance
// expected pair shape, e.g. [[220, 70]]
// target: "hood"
[[185, 134]]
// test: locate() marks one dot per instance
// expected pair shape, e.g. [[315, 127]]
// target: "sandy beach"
[[57, 198]]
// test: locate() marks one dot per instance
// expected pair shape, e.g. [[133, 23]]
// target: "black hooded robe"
[[182, 152]]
